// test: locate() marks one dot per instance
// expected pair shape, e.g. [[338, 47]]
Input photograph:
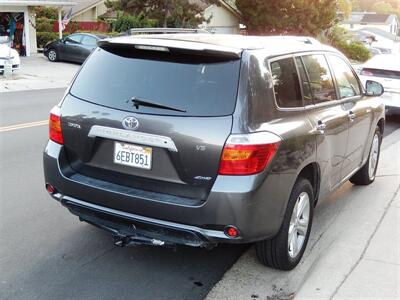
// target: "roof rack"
[[133, 31]]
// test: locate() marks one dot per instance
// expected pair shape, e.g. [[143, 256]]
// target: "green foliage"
[[46, 12], [44, 24], [126, 21], [173, 13], [339, 38], [356, 51], [306, 17], [44, 37]]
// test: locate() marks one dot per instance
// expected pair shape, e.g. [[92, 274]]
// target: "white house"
[[88, 10], [18, 17], [359, 20], [224, 17]]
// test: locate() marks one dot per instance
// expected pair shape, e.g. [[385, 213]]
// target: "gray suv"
[[200, 139]]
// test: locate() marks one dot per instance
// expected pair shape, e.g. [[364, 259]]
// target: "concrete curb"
[[344, 229]]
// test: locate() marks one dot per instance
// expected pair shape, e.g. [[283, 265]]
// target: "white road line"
[[23, 125]]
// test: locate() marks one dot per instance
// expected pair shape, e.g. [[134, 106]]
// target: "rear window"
[[192, 85]]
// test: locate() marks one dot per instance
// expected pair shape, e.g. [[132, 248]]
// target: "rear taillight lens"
[[366, 73], [55, 132], [248, 154]]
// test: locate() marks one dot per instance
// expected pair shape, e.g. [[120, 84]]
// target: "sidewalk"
[[37, 72], [353, 251]]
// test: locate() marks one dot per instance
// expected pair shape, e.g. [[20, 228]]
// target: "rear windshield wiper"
[[142, 102]]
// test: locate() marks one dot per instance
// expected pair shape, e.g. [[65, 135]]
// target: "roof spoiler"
[[173, 45]]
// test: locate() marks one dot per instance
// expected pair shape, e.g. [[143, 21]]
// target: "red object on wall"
[[85, 26]]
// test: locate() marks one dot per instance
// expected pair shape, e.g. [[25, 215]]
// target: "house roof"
[[375, 18], [38, 2], [82, 5], [368, 18], [368, 31]]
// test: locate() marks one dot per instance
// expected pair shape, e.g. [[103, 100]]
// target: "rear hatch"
[[151, 118]]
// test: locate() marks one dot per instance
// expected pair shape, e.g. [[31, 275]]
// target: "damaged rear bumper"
[[129, 229]]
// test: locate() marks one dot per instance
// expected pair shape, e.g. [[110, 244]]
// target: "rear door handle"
[[321, 127], [352, 116]]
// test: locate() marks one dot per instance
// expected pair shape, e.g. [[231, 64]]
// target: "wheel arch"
[[381, 125], [312, 172]]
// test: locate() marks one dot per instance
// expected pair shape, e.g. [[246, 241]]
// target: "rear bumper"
[[253, 204]]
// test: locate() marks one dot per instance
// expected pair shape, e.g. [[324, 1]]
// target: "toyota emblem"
[[130, 123]]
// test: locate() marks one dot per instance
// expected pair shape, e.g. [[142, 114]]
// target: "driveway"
[[37, 72]]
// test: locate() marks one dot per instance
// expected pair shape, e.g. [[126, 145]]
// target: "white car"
[[385, 69], [6, 54]]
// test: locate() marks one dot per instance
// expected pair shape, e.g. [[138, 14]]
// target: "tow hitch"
[[131, 241]]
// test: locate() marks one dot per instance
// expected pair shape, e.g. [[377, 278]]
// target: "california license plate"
[[132, 155]]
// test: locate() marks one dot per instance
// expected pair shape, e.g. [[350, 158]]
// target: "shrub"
[[339, 38], [126, 21], [46, 12], [356, 51], [44, 37], [44, 25]]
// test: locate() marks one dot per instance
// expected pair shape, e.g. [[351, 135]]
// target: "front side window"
[[321, 82], [345, 79], [286, 83]]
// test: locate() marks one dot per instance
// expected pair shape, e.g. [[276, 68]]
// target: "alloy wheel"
[[52, 55], [373, 157], [299, 223]]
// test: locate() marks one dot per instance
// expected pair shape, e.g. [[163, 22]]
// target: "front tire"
[[285, 250], [366, 175], [52, 55]]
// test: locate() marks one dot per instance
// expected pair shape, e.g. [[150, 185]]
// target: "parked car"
[[385, 69], [205, 139], [74, 48], [7, 54]]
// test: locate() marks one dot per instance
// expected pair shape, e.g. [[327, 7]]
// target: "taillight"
[[55, 132], [246, 154], [366, 72]]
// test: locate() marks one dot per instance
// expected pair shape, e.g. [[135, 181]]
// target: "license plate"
[[132, 155]]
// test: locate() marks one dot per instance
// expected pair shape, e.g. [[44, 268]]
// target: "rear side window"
[[346, 81], [191, 85], [286, 83], [321, 82], [88, 40], [73, 39], [305, 84]]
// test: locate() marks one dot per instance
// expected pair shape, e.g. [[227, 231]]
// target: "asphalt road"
[[46, 253]]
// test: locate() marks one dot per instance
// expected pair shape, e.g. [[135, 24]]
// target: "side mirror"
[[374, 88]]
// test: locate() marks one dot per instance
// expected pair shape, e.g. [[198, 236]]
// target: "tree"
[[382, 7], [309, 17], [173, 13]]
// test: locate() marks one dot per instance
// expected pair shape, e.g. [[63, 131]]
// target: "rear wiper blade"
[[142, 102]]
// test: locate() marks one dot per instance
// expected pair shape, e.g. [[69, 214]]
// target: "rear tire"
[[285, 250], [366, 175], [52, 55]]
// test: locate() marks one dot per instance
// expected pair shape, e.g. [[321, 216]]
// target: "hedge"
[[44, 37]]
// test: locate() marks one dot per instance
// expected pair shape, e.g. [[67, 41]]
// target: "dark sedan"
[[75, 47]]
